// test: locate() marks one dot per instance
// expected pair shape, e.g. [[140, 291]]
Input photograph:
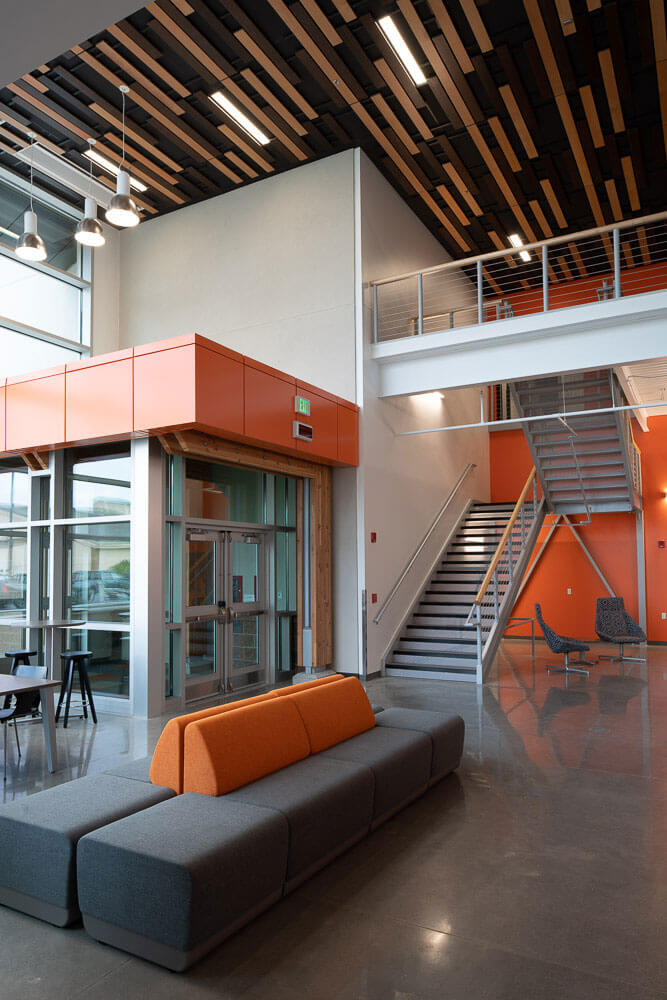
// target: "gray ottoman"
[[39, 834], [171, 883], [138, 770], [328, 805], [446, 733], [400, 761]]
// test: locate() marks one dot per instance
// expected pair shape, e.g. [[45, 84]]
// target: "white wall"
[[105, 308], [266, 270], [404, 480]]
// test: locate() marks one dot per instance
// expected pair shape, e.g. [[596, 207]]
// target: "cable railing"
[[592, 266], [488, 604], [420, 548]]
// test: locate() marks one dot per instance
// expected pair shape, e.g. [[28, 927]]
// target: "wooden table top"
[[12, 685]]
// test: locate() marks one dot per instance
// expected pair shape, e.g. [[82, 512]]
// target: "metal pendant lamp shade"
[[122, 210], [89, 232], [31, 245]]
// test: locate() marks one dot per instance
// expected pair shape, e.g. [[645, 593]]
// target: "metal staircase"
[[438, 638], [585, 463]]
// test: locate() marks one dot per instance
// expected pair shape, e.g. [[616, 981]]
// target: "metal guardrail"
[[594, 265], [415, 555], [488, 603]]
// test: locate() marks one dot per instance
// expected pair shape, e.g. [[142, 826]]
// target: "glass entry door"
[[225, 605]]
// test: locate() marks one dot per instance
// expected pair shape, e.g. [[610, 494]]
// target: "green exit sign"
[[302, 405]]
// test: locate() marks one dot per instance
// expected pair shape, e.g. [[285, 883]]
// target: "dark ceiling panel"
[[526, 123]]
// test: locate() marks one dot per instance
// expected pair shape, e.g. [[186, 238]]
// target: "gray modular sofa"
[[168, 877]]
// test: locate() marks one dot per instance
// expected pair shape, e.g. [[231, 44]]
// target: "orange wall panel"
[[35, 411], [348, 435], [324, 421], [611, 539], [219, 391], [269, 407], [98, 401], [164, 388]]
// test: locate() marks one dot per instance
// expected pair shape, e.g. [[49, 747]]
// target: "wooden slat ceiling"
[[538, 116]]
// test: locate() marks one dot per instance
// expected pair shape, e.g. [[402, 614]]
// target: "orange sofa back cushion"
[[294, 688], [232, 749], [167, 763], [332, 713]]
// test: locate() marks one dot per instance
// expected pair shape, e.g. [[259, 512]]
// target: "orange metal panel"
[[348, 434], [164, 345], [98, 400], [219, 391], [100, 359], [35, 412], [324, 421], [269, 406], [164, 389]]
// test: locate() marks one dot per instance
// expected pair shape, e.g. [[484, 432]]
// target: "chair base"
[[567, 669], [622, 658]]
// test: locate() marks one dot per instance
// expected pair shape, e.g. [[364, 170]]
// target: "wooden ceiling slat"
[[446, 25], [246, 147], [297, 148], [113, 117], [612, 195], [139, 77], [64, 121], [34, 83], [265, 62], [518, 120], [477, 25], [189, 60], [553, 202], [630, 183], [563, 265], [241, 164], [505, 144], [191, 39], [403, 99], [643, 243], [135, 154], [627, 253], [590, 110], [344, 9], [452, 204], [22, 125], [659, 31], [500, 179], [322, 22], [275, 103], [542, 220], [392, 120], [518, 90], [358, 55], [565, 17], [446, 53], [457, 180], [183, 6], [141, 174], [611, 90]]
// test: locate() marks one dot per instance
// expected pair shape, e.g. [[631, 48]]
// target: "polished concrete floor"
[[538, 871]]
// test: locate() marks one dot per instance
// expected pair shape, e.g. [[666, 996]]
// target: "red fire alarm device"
[[661, 544], [374, 598], [374, 536]]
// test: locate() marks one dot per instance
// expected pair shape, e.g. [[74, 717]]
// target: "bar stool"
[[75, 659], [20, 657]]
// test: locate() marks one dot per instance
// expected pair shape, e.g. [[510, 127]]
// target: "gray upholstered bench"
[[172, 882], [328, 805], [39, 836], [445, 731], [400, 761]]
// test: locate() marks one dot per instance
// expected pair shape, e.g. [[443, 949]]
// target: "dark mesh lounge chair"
[[565, 645], [613, 624]]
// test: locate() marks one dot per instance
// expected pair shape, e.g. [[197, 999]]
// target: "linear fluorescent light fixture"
[[516, 241], [400, 47], [242, 120], [8, 232], [102, 161]]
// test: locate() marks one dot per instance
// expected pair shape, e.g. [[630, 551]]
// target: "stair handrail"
[[488, 577], [415, 555]]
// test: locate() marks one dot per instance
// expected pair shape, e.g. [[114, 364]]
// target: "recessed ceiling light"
[[516, 241], [102, 161], [400, 47], [236, 115], [8, 232]]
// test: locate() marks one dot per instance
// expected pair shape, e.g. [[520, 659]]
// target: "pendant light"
[[89, 232], [122, 210], [31, 245]]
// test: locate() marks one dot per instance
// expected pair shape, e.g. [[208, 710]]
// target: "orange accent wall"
[[611, 539], [188, 382]]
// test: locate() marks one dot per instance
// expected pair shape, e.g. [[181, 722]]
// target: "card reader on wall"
[[301, 431]]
